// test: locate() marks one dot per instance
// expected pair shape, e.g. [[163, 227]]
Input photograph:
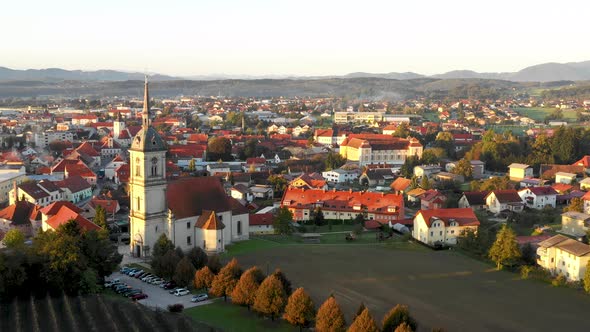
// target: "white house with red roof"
[[262, 223], [111, 167], [538, 197], [504, 200], [443, 226], [376, 148], [42, 193]]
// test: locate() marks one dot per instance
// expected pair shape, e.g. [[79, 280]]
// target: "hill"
[[58, 74]]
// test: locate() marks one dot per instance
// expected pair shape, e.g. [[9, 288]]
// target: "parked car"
[[139, 296], [149, 279], [157, 282], [139, 276], [146, 277], [133, 274], [111, 283], [154, 281], [181, 292], [170, 285], [175, 289], [200, 297], [133, 293]]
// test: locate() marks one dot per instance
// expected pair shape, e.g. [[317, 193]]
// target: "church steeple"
[[145, 114]]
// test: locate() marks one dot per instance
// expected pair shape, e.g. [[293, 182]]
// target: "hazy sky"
[[303, 37]]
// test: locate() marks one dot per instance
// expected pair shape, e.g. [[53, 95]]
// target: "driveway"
[[157, 297]]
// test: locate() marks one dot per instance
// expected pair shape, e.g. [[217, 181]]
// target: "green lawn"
[[254, 244], [336, 227], [229, 317], [539, 113]]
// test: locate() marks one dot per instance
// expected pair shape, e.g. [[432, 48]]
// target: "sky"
[[284, 37]]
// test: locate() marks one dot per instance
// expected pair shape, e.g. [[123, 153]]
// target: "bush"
[[525, 271], [178, 307], [559, 281]]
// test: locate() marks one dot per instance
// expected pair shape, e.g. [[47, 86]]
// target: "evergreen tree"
[[425, 183], [330, 317], [203, 278], [162, 245], [185, 272], [282, 222], [505, 249], [166, 265], [245, 290], [198, 257], [214, 264], [100, 218], [284, 281], [191, 166], [300, 310], [364, 323], [397, 316], [318, 217], [224, 282], [270, 298]]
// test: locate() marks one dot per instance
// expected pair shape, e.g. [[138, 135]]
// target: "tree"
[[191, 166], [464, 168], [245, 290], [166, 265], [270, 298], [425, 183], [407, 169], [402, 130], [203, 278], [587, 278], [404, 327], [214, 264], [57, 147], [224, 282], [185, 272], [219, 148], [197, 256], [300, 310], [576, 205], [162, 245], [360, 310], [333, 161], [282, 222], [364, 323], [101, 254], [330, 317], [100, 218], [505, 249], [284, 281], [318, 217], [397, 316], [14, 239]]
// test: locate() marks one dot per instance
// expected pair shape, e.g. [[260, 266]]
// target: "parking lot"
[[157, 297]]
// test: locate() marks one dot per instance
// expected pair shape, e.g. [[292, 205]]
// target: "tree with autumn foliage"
[[300, 310], [245, 290], [330, 317], [364, 323], [284, 281], [203, 278], [270, 298], [397, 316], [224, 282], [404, 327]]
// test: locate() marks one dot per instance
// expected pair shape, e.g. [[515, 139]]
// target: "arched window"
[[154, 166], [239, 227], [137, 167]]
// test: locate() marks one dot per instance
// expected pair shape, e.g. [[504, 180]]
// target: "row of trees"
[[272, 296], [68, 259]]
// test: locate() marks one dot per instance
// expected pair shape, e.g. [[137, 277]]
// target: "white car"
[[181, 292], [158, 282], [200, 297]]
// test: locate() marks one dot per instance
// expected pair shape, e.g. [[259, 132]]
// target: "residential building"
[[60, 213], [343, 205], [309, 181], [504, 200], [39, 193], [561, 255], [443, 226], [341, 175], [262, 223], [538, 197], [575, 223], [9, 175], [43, 139], [426, 170], [21, 215], [75, 189], [518, 172], [432, 199], [473, 199], [565, 178]]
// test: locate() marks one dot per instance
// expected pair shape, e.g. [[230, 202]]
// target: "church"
[[192, 212]]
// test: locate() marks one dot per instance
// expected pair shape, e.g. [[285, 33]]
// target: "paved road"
[[157, 297]]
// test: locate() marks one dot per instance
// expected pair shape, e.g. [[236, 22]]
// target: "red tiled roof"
[[111, 206], [208, 220], [64, 215], [87, 148], [507, 196], [585, 161], [261, 219], [400, 184], [541, 191], [61, 166], [464, 216], [74, 183], [476, 197], [21, 213], [52, 208], [79, 169], [188, 197]]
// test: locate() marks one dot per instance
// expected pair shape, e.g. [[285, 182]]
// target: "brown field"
[[88, 313], [443, 289]]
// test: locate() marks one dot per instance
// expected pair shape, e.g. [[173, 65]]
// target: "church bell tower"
[[147, 185]]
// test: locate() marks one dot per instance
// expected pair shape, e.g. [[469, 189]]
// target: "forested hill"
[[369, 88]]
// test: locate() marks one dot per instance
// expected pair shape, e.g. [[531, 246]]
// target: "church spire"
[[145, 114]]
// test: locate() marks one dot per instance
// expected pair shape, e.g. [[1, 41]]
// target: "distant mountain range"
[[547, 72]]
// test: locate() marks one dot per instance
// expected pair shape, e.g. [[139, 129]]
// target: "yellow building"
[[561, 255]]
